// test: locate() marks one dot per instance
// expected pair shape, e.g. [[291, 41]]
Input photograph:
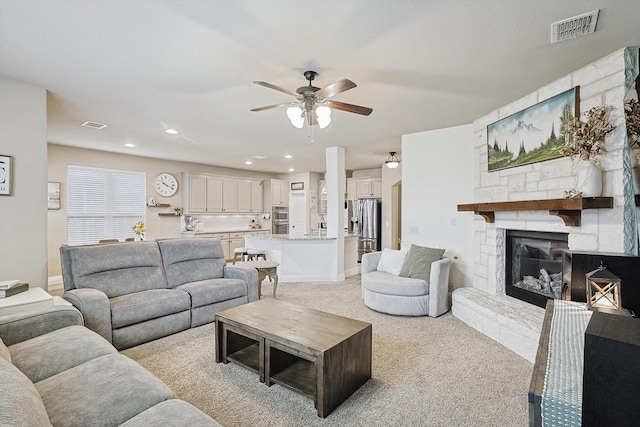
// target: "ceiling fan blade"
[[350, 108], [269, 107], [336, 88], [270, 86]]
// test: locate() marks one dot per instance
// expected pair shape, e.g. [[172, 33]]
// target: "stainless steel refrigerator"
[[367, 214]]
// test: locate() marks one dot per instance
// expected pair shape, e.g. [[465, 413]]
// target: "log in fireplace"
[[533, 265]]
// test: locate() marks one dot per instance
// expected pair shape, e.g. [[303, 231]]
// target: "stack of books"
[[12, 287]]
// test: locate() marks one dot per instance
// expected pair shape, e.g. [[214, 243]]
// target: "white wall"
[[437, 176], [23, 215], [157, 227]]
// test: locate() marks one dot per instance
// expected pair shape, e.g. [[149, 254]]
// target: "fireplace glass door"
[[534, 265]]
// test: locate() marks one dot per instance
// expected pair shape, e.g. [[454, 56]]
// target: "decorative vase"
[[589, 179]]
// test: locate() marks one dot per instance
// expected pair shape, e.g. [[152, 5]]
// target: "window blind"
[[103, 203]]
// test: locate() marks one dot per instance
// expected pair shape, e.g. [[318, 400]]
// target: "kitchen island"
[[307, 258]]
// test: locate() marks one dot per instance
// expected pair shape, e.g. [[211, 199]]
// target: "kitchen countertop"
[[311, 236], [298, 237], [223, 230], [293, 237]]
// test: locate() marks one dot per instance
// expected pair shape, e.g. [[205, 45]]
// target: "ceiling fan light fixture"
[[392, 161], [296, 116], [323, 113]]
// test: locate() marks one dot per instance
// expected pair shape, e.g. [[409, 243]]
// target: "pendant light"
[[392, 161]]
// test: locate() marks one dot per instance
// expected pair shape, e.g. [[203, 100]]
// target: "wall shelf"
[[160, 205], [168, 214], [570, 210]]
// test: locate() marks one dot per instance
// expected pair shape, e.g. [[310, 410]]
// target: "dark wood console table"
[[570, 210]]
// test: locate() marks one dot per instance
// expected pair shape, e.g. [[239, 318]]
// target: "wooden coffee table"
[[321, 355]]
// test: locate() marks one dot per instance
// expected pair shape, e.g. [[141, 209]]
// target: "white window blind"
[[103, 203]]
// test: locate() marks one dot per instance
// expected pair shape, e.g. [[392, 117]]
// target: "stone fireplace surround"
[[485, 306]]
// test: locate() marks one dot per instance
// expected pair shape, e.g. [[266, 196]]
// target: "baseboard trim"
[[55, 285]]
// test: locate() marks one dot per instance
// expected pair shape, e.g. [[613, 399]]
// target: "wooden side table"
[[265, 268]]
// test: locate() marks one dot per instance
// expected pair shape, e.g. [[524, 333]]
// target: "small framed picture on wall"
[[5, 175], [53, 196]]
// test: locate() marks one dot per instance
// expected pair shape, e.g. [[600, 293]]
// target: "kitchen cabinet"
[[224, 240], [236, 240], [276, 193], [369, 188], [249, 196], [229, 242], [364, 188], [203, 193], [218, 194]]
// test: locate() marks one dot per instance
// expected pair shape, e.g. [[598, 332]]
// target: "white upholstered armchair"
[[386, 291]]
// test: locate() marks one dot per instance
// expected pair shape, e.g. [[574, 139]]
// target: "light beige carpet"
[[426, 372]]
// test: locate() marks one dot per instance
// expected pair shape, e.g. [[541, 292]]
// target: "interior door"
[[298, 213]]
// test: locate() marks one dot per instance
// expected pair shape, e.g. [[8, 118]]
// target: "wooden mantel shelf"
[[570, 210]]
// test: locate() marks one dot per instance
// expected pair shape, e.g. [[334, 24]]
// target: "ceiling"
[[142, 67]]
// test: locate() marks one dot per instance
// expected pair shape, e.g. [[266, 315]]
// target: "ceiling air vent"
[[577, 26], [94, 125]]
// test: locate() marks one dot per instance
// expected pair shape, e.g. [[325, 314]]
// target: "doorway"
[[298, 213], [396, 215]]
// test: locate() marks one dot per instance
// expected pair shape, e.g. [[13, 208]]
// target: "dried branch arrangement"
[[588, 134], [632, 117]]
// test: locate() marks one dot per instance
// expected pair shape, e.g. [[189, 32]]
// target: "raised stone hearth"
[[513, 323]]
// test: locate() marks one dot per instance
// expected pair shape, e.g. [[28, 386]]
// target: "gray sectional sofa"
[[135, 292], [54, 371]]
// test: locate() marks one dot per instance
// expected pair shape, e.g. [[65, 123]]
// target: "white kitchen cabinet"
[[218, 194], [367, 188], [280, 192], [276, 193], [249, 196], [236, 240], [203, 194], [229, 195]]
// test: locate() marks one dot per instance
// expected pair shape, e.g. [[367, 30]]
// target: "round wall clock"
[[165, 184]]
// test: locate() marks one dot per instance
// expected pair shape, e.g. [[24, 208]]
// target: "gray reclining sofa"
[[135, 292], [54, 371]]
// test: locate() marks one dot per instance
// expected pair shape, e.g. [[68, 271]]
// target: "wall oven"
[[280, 213], [280, 220]]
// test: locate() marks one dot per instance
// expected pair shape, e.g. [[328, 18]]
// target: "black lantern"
[[604, 291]]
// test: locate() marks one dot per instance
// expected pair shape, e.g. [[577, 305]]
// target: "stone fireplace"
[[489, 305]]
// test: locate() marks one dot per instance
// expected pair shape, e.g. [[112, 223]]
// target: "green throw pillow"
[[417, 264]]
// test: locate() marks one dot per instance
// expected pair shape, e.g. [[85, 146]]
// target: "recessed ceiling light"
[[259, 157], [288, 156], [248, 162], [171, 131], [129, 145], [291, 170]]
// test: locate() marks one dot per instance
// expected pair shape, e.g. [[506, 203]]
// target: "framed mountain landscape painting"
[[534, 134]]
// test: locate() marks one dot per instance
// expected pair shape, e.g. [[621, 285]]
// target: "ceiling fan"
[[313, 103]]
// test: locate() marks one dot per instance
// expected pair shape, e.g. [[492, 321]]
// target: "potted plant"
[[139, 228], [585, 149]]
